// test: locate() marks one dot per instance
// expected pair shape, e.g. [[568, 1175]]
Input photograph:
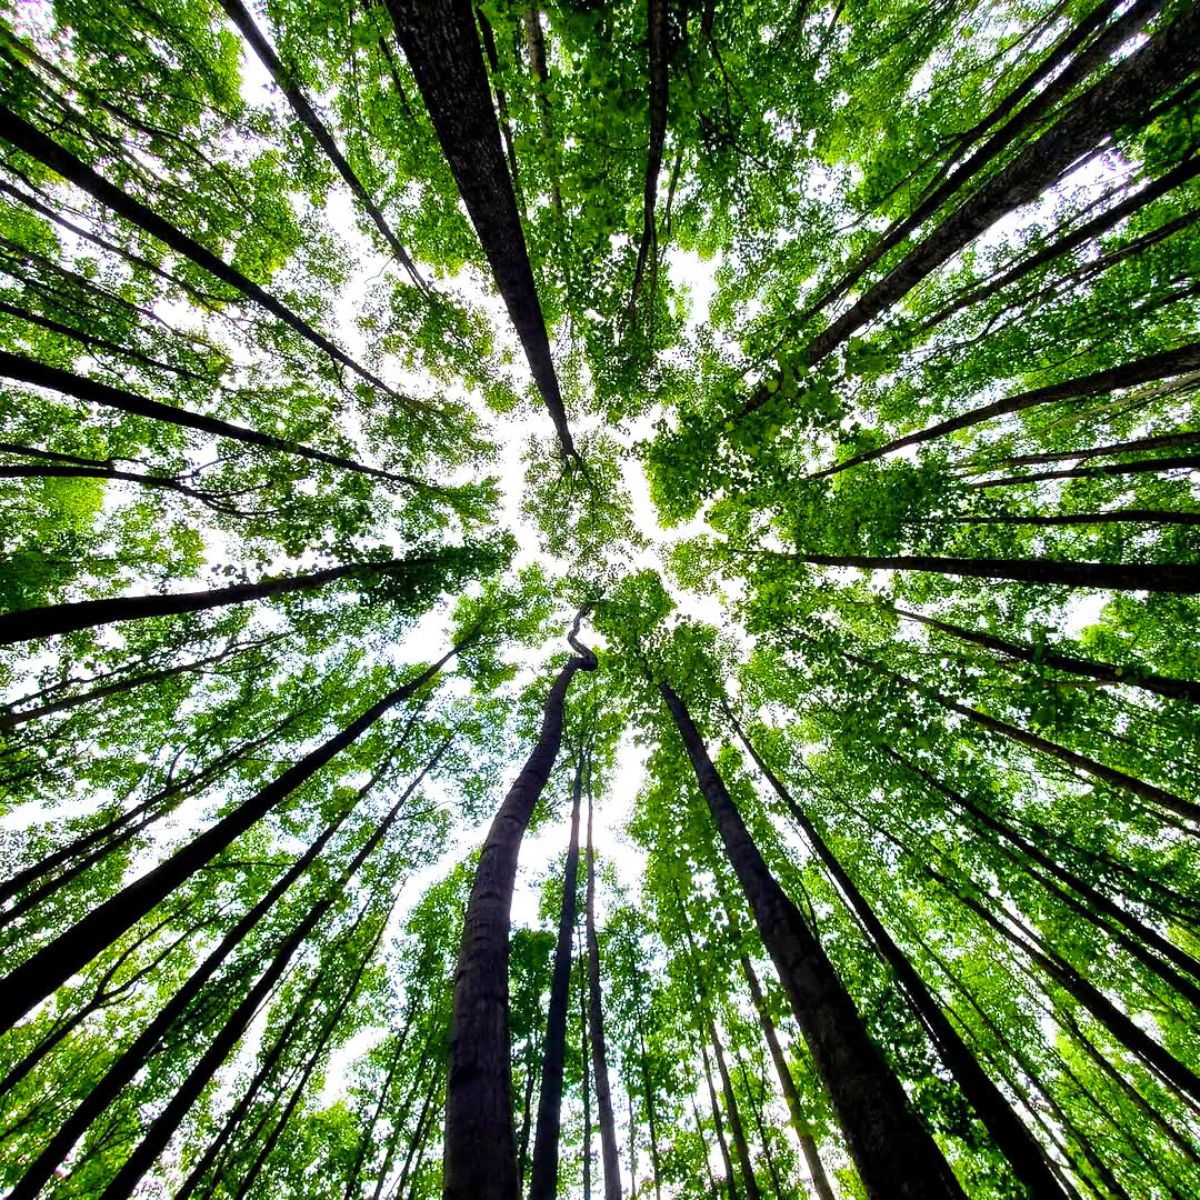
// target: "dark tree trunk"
[[736, 1128], [718, 1123], [656, 15], [240, 16], [1018, 1145], [651, 1111], [1133, 676], [18, 132], [1145, 466], [442, 48], [816, 1168], [583, 1060], [1134, 516], [26, 985], [1162, 441], [52, 619], [480, 1145], [543, 1179], [367, 1141], [1165, 364], [604, 1106], [92, 391], [1122, 98], [895, 1155], [1175, 578]]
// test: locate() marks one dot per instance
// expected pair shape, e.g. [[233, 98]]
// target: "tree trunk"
[[25, 986], [656, 15], [1132, 676], [787, 1083], [1135, 516], [736, 1128], [92, 391], [543, 1179], [18, 132], [480, 1151], [651, 1114], [583, 1060], [51, 619], [240, 16], [1024, 1154], [896, 1157], [1121, 99], [442, 48], [1165, 364], [604, 1106], [718, 1123], [1145, 466]]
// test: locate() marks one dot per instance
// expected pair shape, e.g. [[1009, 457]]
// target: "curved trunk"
[[27, 985], [897, 1159], [480, 1142], [604, 1105], [92, 391], [440, 42], [1018, 1145], [20, 133], [543, 1179]]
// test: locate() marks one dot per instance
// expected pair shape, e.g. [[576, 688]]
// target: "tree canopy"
[[600, 599]]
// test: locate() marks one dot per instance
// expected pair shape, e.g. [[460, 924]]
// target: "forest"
[[600, 599]]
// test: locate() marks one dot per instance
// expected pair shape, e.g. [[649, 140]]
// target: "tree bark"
[[1132, 676], [1135, 516], [718, 1124], [656, 15], [480, 1152], [92, 391], [543, 1179], [51, 619], [442, 48], [18, 132], [27, 985], [895, 1155], [583, 1060], [604, 1106], [736, 1128], [1165, 364], [1020, 1148], [1145, 466]]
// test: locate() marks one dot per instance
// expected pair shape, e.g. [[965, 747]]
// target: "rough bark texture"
[[442, 48], [480, 1142], [16, 366], [896, 1157], [27, 985], [543, 1179], [1162, 365], [17, 131], [604, 1105], [1018, 1145]]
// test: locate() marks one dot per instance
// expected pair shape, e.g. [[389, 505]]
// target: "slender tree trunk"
[[714, 1189], [787, 1083], [442, 48], [632, 1148], [480, 1145], [657, 24], [585, 1082], [756, 1111], [1165, 364], [92, 391], [26, 985], [651, 1114], [1146, 466], [1134, 516], [51, 619], [1024, 1154], [896, 1156], [240, 16], [543, 1179], [1176, 578], [367, 1141], [1122, 98], [736, 1128], [1133, 676], [1162, 441], [718, 1123], [18, 132], [604, 1106]]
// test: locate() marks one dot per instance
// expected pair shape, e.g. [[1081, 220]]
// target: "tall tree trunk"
[[787, 1083], [736, 1128], [604, 1106], [27, 985], [718, 1123], [92, 391], [51, 619], [20, 133], [1123, 98], [896, 1157], [480, 1151], [240, 16], [1115, 516], [367, 1141], [658, 29], [1164, 364], [1145, 466], [1024, 1154], [584, 1062], [1132, 676], [442, 48], [543, 1179], [651, 1112]]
